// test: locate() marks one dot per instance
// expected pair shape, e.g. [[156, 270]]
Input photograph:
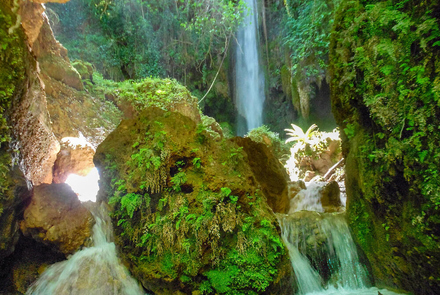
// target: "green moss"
[[384, 63], [11, 67], [183, 207]]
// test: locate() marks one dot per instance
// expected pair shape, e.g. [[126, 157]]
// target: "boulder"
[[28, 262], [57, 218], [331, 196], [295, 187], [14, 192], [269, 173], [75, 157], [188, 209]]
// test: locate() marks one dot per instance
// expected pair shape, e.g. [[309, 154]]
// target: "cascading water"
[[93, 270], [322, 252], [249, 78]]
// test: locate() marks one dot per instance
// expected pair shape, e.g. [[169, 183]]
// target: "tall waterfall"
[[322, 252], [249, 79], [94, 270]]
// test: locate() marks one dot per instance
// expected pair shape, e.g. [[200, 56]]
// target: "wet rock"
[[331, 197], [32, 127], [57, 218], [14, 193], [75, 157], [28, 262], [295, 187]]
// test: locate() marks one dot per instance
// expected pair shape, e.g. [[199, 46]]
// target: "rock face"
[[188, 214], [14, 193], [269, 173], [56, 218], [52, 57], [384, 64], [75, 157]]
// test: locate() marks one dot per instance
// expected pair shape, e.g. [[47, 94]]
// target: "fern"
[[131, 202]]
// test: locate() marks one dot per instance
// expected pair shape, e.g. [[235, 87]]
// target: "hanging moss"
[[385, 58]]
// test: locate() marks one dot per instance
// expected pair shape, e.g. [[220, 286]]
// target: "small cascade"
[[322, 252], [93, 270], [248, 75]]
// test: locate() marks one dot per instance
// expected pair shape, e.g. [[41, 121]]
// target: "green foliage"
[[385, 59], [6, 195], [298, 135], [307, 35], [175, 221], [309, 146], [133, 39], [11, 68], [271, 139], [166, 94]]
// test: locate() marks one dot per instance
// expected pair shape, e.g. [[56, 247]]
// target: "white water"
[[308, 199], [322, 252], [95, 270], [248, 75]]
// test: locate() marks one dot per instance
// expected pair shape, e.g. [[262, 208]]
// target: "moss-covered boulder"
[[385, 61], [187, 209]]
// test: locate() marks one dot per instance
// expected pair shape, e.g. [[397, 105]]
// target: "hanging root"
[[18, 21]]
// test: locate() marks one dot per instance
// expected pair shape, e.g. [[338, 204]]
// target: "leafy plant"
[[298, 135]]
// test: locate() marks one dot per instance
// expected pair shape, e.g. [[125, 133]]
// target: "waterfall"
[[93, 270], [323, 254], [249, 78]]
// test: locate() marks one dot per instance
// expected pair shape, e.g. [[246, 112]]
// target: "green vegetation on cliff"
[[11, 66], [386, 96], [187, 213]]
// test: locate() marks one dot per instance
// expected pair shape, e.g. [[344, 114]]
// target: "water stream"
[[93, 270], [322, 252], [248, 75]]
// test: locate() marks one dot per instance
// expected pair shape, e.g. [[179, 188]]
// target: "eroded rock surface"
[[56, 218], [75, 157]]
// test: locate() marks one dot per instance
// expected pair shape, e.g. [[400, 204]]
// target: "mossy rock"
[[85, 69], [385, 95], [188, 214], [59, 69]]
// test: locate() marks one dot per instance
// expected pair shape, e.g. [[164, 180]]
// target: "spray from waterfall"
[[93, 270], [249, 78]]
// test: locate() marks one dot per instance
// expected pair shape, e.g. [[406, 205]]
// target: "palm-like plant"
[[298, 135]]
